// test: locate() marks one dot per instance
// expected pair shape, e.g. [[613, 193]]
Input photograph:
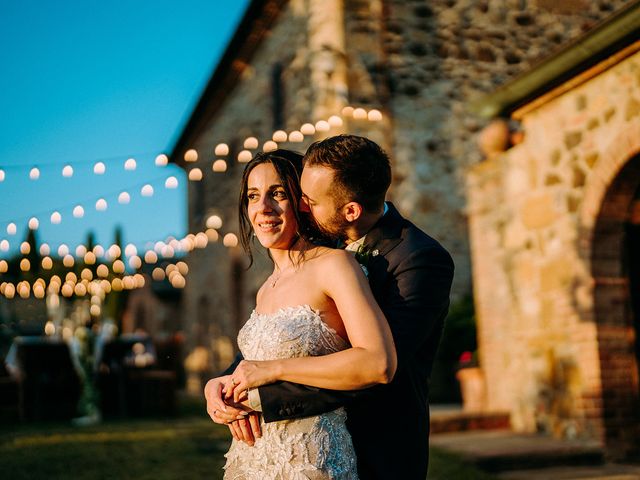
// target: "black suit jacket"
[[410, 276]]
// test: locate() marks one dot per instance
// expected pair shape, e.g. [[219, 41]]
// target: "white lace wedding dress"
[[316, 447]]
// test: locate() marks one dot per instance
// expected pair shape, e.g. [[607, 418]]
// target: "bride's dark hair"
[[288, 166]]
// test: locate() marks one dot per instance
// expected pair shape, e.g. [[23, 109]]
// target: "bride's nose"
[[266, 203]]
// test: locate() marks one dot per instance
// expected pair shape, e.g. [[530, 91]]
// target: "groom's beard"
[[333, 229]]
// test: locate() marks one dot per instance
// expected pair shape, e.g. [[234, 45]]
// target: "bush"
[[459, 336]]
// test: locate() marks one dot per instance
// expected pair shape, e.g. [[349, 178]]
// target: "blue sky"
[[85, 81]]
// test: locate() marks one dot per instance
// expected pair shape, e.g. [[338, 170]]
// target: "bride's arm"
[[371, 359]]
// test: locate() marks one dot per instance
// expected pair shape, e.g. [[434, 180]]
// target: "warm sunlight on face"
[[269, 210], [317, 198]]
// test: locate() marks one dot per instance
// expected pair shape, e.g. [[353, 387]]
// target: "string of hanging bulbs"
[[171, 246]]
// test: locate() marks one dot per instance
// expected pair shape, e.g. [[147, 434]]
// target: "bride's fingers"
[[229, 388], [239, 392], [254, 423]]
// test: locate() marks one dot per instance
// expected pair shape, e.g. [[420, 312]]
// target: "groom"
[[344, 183]]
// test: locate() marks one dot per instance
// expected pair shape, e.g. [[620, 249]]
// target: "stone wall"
[[547, 223]]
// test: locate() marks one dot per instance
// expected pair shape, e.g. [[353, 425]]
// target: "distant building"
[[420, 63]]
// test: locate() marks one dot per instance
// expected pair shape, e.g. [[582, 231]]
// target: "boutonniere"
[[364, 256]]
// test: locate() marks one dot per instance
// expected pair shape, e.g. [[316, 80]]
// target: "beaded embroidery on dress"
[[317, 447]]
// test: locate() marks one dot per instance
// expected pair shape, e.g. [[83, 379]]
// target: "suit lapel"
[[383, 237]]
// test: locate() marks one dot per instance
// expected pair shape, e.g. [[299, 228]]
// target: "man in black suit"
[[344, 183]]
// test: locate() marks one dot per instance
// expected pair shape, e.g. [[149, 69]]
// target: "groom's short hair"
[[362, 171]]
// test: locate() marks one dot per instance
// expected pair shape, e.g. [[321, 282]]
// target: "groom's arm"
[[415, 305]]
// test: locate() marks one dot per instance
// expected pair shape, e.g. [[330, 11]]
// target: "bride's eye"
[[252, 197], [279, 194]]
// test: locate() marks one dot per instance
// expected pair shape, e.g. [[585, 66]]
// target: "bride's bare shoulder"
[[325, 258]]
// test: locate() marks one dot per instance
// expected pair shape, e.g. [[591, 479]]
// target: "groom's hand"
[[220, 411]]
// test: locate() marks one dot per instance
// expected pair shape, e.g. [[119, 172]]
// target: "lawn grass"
[[189, 446]]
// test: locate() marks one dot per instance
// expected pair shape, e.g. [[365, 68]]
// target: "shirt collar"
[[355, 246]]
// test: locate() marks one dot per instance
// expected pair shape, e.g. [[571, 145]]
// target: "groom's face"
[[319, 199]]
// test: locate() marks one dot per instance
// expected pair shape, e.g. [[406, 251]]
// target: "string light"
[[124, 198], [322, 126], [360, 114], [161, 160], [347, 111], [68, 261], [307, 129], [4, 245], [67, 171], [219, 166], [244, 156], [146, 191], [2, 175], [335, 121], [269, 146], [212, 234], [251, 143], [99, 168], [279, 136], [78, 211], [374, 115], [45, 249], [213, 221], [191, 155], [296, 136], [34, 173], [221, 150], [101, 205], [130, 250], [102, 271], [230, 240], [33, 223], [171, 182], [130, 164], [56, 218], [195, 174]]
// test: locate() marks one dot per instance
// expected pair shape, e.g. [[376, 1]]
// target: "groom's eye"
[[252, 196], [279, 194]]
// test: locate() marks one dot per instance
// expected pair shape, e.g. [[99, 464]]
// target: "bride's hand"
[[250, 374]]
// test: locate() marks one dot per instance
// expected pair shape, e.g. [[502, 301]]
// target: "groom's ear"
[[352, 211]]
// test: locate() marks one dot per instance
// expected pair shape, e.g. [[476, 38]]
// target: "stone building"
[[418, 62], [555, 234]]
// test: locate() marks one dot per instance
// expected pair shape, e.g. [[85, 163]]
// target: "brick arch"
[[619, 176]]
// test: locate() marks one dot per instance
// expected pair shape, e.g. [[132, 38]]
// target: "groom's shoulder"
[[416, 241]]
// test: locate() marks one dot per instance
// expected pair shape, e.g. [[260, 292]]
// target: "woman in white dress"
[[315, 323]]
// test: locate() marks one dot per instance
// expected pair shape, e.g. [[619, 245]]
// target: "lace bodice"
[[287, 333], [317, 447]]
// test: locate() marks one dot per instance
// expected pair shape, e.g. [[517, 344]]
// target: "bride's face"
[[269, 209]]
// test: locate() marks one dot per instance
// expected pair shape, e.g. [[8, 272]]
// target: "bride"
[[315, 323]]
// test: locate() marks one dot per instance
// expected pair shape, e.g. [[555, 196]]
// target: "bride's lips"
[[269, 226]]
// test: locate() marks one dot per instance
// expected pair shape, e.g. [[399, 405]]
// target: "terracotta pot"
[[472, 388]]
